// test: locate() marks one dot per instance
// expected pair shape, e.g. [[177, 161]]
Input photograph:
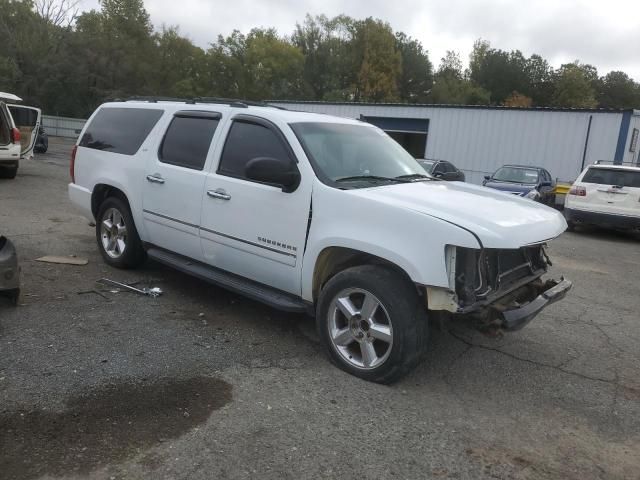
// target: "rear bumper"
[[517, 318], [81, 199], [622, 222]]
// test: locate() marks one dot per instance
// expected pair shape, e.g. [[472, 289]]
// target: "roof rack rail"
[[613, 162], [232, 102]]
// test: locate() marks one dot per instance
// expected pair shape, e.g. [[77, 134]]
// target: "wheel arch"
[[101, 192], [335, 259]]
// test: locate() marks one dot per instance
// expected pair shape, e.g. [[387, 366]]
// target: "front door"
[[175, 177], [27, 121], [249, 228]]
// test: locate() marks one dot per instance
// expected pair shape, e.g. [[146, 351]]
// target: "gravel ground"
[[201, 383]]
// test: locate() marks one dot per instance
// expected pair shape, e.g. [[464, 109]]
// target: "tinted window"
[[440, 168], [427, 164], [120, 130], [245, 142], [24, 117], [187, 141], [611, 176], [449, 168]]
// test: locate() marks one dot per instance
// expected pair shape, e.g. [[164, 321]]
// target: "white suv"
[[605, 195], [18, 133], [312, 213]]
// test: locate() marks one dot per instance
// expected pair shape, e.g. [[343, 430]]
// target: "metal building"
[[479, 139]]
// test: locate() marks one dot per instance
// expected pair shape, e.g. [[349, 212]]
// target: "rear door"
[[8, 151], [175, 177], [611, 190], [27, 120]]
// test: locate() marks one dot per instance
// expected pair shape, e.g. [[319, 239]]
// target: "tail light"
[[72, 166], [15, 135], [579, 191]]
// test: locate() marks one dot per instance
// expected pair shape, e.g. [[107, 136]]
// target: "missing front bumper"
[[515, 318]]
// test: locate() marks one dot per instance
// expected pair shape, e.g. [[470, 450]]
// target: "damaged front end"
[[9, 271], [498, 288]]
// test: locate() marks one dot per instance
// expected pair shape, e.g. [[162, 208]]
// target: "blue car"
[[530, 182]]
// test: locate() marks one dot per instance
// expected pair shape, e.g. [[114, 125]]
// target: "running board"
[[254, 290]]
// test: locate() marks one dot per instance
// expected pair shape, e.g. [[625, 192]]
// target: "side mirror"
[[437, 174], [487, 177], [545, 184], [273, 171]]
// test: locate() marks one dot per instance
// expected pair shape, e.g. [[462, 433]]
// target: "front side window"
[[612, 176], [247, 141], [120, 130], [355, 153], [516, 175], [187, 141]]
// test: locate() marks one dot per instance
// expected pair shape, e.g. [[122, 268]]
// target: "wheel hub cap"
[[113, 233], [360, 328]]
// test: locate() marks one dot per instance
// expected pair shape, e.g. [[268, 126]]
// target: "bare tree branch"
[[59, 13]]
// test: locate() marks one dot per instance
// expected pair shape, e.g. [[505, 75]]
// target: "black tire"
[[571, 226], [8, 172], [400, 301], [133, 255]]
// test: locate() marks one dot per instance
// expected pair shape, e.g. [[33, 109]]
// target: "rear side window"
[[245, 142], [612, 176], [24, 117], [187, 141], [120, 130]]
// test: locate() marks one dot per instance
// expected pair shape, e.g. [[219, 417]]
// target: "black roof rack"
[[232, 102]]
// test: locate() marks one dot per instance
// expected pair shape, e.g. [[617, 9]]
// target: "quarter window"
[[245, 142], [120, 130], [187, 141]]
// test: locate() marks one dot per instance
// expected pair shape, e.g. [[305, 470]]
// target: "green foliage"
[[68, 65]]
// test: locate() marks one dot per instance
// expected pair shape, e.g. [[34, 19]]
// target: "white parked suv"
[[312, 213], [19, 125], [605, 195]]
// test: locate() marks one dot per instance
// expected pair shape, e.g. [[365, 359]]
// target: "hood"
[[519, 188], [498, 220]]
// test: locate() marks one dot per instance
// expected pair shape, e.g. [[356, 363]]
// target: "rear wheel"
[[117, 236], [372, 323], [8, 172]]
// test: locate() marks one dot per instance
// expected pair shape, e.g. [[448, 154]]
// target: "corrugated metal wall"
[[633, 156], [62, 126], [479, 140]]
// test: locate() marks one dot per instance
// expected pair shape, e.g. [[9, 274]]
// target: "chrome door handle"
[[155, 179], [219, 193]]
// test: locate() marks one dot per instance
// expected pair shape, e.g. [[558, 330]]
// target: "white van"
[[19, 126]]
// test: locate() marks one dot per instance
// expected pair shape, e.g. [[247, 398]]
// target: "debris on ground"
[[70, 260], [150, 292]]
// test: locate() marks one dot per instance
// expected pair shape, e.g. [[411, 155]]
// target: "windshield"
[[612, 176], [357, 153], [516, 175]]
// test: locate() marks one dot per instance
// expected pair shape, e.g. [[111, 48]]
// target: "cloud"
[[604, 34]]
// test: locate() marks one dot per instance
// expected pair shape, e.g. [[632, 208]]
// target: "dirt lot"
[[201, 383]]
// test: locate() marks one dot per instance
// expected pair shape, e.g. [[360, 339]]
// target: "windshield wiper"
[[372, 177], [416, 177]]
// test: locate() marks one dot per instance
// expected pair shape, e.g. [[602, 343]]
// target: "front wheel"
[[372, 322], [117, 236]]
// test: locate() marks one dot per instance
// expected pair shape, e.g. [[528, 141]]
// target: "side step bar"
[[254, 290]]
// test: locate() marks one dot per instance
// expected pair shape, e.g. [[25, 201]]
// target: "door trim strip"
[[221, 234]]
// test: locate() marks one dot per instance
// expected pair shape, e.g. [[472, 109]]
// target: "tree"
[[451, 86], [573, 86], [377, 62], [618, 90], [518, 100], [416, 77]]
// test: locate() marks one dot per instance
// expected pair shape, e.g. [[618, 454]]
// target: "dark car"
[[9, 271], [42, 142], [442, 169], [531, 182]]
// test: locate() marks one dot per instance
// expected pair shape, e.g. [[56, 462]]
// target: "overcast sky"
[[603, 33]]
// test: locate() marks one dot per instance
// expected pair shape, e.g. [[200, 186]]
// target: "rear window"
[[612, 176], [120, 130]]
